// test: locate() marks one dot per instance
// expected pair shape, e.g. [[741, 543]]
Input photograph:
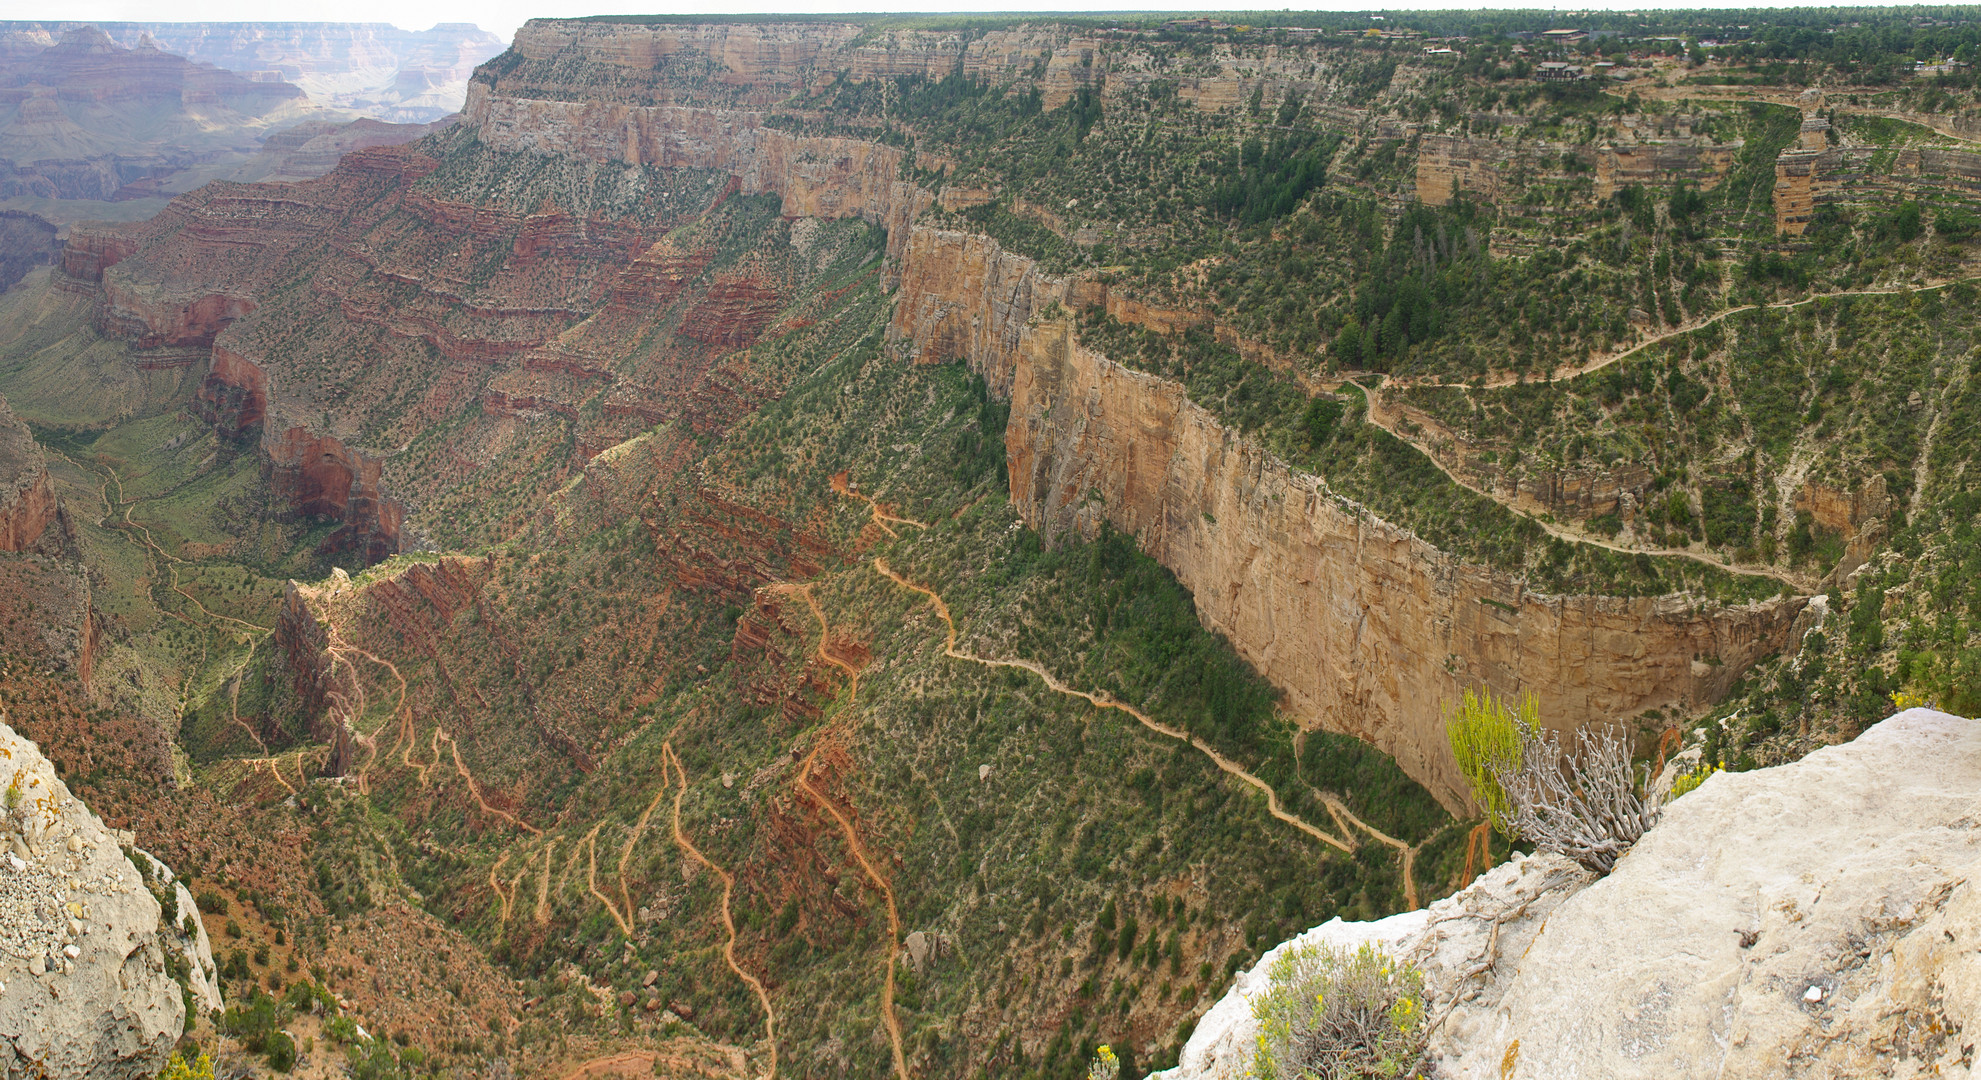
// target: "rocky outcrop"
[[302, 637], [1367, 629], [815, 176], [320, 476], [1813, 173], [1814, 919], [27, 495], [100, 959], [1491, 168]]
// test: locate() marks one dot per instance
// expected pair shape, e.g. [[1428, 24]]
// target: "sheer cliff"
[[869, 546]]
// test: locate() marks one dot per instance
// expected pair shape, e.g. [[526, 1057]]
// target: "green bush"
[[1484, 732], [1331, 1014]]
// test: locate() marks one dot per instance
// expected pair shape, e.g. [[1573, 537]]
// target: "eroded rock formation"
[[27, 495], [84, 938], [1367, 629]]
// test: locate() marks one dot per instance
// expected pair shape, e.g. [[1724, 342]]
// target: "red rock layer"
[[320, 476], [27, 495], [732, 314]]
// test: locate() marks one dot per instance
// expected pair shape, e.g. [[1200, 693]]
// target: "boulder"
[[1820, 918], [83, 939]]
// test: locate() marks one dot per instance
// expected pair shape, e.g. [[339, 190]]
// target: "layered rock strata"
[[1367, 629], [84, 940], [1813, 174], [27, 495], [1814, 919], [826, 177]]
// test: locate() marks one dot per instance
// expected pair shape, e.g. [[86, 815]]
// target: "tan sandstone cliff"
[[1367, 629]]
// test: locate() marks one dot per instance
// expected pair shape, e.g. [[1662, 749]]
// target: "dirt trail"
[[495, 883], [669, 758], [825, 632], [804, 782], [1104, 700], [1390, 419], [1598, 363], [612, 907], [844, 487], [542, 914], [474, 789]]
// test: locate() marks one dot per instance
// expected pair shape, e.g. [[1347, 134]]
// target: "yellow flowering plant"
[[178, 1068], [1105, 1066], [1335, 1014]]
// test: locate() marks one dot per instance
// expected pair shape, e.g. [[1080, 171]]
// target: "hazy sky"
[[503, 16]]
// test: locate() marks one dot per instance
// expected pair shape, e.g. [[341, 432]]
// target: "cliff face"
[[27, 495], [1811, 174], [1656, 151], [318, 475], [86, 938], [1368, 630], [814, 176]]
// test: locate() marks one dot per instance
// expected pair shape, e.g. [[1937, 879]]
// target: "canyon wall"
[[824, 177], [1491, 169], [1367, 629], [27, 495], [1813, 173]]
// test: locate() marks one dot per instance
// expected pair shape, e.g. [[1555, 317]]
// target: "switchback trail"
[[844, 487], [853, 844], [669, 758], [1104, 700]]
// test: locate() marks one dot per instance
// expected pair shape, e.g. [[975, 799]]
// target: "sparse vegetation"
[[1332, 1014]]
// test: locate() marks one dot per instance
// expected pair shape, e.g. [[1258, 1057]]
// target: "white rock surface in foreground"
[[1820, 919], [82, 945]]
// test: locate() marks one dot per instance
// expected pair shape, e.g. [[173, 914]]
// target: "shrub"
[[1485, 736], [1331, 1014], [1105, 1066], [1687, 781], [178, 1068], [1588, 805]]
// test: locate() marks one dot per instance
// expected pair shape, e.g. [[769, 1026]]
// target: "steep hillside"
[[893, 546]]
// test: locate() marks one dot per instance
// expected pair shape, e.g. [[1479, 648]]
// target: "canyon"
[[1367, 629], [857, 546], [374, 69]]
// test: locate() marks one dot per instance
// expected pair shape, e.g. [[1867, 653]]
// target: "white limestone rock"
[[1454, 942], [1820, 919], [97, 1004]]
